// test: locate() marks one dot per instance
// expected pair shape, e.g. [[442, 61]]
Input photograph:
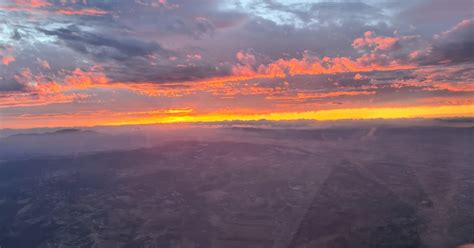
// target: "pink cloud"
[[32, 3], [465, 27], [245, 58], [85, 11], [6, 60], [83, 79], [372, 41], [43, 63]]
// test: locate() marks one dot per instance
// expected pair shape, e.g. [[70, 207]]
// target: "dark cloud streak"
[[103, 46]]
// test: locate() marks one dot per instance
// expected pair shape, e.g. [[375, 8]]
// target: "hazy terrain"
[[365, 185]]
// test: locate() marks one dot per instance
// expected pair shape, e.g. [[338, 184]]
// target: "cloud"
[[311, 64], [103, 46], [6, 54], [9, 85], [457, 78], [358, 76], [385, 50], [324, 13], [85, 11], [43, 63], [34, 99], [453, 46], [311, 96], [6, 60], [256, 54], [428, 17], [27, 89], [33, 3], [82, 79], [44, 7], [157, 4], [370, 40], [246, 58]]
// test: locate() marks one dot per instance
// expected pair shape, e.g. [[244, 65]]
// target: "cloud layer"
[[63, 56]]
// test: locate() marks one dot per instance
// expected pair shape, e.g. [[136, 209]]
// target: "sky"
[[112, 62]]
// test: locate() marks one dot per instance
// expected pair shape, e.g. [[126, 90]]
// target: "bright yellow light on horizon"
[[322, 115]]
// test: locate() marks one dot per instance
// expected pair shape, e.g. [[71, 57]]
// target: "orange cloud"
[[6, 60], [430, 85], [41, 90], [37, 99], [304, 96], [455, 87], [309, 65], [39, 84], [378, 55], [358, 76], [216, 87], [81, 79], [377, 42], [85, 11]]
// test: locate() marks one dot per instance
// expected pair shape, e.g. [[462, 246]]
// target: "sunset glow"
[[323, 115], [72, 63], [189, 116]]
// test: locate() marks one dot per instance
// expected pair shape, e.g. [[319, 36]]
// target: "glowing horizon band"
[[321, 115]]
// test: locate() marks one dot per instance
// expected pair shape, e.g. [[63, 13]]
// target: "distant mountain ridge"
[[57, 132]]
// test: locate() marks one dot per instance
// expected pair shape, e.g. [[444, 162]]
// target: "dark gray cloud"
[[10, 84], [187, 19], [103, 46], [428, 17], [128, 59], [455, 45], [142, 71], [16, 35]]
